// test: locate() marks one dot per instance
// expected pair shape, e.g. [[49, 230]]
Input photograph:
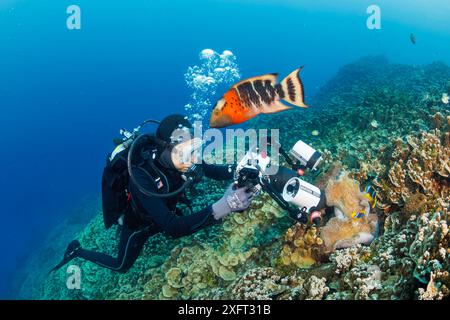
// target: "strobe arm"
[[288, 159], [283, 152]]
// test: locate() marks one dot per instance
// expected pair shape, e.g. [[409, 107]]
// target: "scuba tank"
[[115, 194]]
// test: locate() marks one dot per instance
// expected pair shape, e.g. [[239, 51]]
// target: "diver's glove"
[[233, 200]]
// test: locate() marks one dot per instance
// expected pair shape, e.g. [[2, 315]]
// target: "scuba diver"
[[141, 186]]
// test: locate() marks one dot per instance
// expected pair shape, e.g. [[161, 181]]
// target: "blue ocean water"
[[65, 93]]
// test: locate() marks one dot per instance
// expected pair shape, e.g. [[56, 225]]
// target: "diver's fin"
[[71, 253], [58, 266], [293, 89]]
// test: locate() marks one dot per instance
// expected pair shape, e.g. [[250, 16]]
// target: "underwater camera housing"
[[300, 198], [304, 195], [307, 157], [250, 170]]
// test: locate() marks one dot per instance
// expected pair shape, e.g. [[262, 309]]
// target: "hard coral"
[[420, 166], [267, 284], [302, 247]]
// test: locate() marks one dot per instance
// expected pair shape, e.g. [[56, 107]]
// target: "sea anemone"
[[337, 233], [345, 194]]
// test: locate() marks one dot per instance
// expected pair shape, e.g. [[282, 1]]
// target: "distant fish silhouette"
[[412, 37]]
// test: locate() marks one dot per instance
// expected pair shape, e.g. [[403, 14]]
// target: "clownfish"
[[358, 215], [371, 196], [250, 97]]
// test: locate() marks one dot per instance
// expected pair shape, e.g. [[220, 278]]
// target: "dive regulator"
[[131, 141]]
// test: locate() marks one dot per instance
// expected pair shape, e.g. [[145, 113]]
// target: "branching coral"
[[422, 165], [431, 293], [257, 284], [266, 284]]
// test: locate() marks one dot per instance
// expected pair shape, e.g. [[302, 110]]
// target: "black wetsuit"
[[150, 215]]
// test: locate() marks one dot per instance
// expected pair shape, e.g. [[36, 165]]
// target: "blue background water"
[[65, 93]]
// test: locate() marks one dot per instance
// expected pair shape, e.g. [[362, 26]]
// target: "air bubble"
[[204, 79]]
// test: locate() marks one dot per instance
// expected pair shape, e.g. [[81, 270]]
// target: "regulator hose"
[[142, 189]]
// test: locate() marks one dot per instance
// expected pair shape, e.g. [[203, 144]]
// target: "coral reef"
[[420, 172], [302, 247], [344, 193], [386, 125], [266, 284], [414, 246], [200, 267]]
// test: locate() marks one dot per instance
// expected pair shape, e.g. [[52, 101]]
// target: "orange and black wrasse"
[[250, 97]]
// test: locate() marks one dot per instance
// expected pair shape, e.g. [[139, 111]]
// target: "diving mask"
[[181, 134], [186, 154]]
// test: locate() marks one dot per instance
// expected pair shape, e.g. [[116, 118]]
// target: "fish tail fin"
[[292, 87]]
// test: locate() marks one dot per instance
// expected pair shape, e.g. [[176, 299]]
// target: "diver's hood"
[[165, 159]]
